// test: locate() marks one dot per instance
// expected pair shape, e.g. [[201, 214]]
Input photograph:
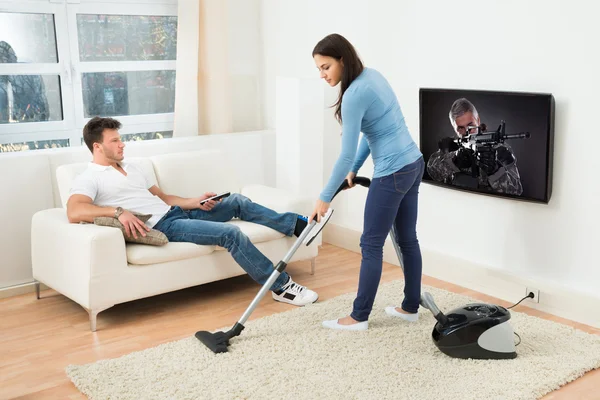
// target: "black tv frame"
[[549, 147]]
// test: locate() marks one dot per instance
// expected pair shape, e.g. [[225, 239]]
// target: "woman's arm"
[[361, 155], [354, 105]]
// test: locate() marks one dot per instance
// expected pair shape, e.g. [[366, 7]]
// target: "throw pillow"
[[153, 237]]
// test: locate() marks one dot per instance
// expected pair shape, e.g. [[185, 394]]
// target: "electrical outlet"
[[536, 294]]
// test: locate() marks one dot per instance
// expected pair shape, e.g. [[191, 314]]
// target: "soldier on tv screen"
[[489, 167]]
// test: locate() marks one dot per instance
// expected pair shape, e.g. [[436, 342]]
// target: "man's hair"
[[92, 131], [460, 107]]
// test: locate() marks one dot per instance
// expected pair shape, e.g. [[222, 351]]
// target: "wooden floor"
[[39, 338]]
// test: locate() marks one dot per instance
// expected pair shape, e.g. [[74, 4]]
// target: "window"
[[63, 62]]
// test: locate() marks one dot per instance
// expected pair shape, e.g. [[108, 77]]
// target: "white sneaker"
[[318, 227], [334, 324], [391, 311], [295, 294]]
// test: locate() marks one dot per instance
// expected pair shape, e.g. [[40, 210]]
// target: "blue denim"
[[392, 199], [208, 228]]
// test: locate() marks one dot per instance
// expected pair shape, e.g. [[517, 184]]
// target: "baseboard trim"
[[20, 289], [554, 299]]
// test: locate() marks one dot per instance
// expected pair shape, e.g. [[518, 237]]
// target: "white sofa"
[[93, 266]]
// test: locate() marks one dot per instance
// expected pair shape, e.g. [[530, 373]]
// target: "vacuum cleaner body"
[[477, 331]]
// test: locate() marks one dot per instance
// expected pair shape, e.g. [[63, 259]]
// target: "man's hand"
[[133, 225], [319, 211], [463, 158], [349, 178], [209, 205]]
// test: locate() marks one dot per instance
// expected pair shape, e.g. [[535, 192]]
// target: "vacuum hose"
[[359, 180], [428, 303]]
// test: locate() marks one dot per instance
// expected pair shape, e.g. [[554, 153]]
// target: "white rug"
[[289, 356]]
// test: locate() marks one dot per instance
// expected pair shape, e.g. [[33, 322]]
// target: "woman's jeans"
[[208, 228], [392, 199]]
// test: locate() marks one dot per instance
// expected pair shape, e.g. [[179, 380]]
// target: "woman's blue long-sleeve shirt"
[[370, 105]]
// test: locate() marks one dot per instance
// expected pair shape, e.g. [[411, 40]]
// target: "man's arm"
[[184, 203], [440, 166], [80, 208], [507, 179]]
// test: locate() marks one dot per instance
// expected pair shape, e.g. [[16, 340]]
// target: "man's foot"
[[346, 324], [295, 294], [400, 313], [318, 227]]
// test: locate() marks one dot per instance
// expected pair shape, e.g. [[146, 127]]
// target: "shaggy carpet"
[[290, 356]]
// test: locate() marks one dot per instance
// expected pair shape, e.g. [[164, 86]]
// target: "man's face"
[[466, 120], [111, 146]]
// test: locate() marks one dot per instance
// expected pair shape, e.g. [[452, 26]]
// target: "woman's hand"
[[349, 178], [320, 210]]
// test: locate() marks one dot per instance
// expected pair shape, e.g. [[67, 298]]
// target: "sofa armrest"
[[278, 199], [70, 257]]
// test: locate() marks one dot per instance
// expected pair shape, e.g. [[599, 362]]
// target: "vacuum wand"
[[428, 303], [426, 298]]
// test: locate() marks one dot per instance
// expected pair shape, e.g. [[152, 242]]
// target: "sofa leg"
[[37, 290], [313, 262], [93, 317]]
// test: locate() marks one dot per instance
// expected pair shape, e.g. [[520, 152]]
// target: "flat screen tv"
[[486, 142]]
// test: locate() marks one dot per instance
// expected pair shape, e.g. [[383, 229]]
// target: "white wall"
[[541, 45]]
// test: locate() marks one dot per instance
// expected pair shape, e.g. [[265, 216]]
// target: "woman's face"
[[330, 69]]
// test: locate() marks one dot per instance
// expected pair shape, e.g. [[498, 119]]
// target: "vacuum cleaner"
[[476, 331]]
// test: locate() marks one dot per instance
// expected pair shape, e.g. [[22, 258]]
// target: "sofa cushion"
[[173, 251], [152, 237], [140, 254], [194, 173]]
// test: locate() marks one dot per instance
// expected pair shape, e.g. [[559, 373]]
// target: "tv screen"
[[494, 143]]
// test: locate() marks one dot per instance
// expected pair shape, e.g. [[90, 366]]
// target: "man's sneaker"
[[318, 227], [293, 293]]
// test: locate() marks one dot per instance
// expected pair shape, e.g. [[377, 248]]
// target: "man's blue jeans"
[[208, 228], [392, 199]]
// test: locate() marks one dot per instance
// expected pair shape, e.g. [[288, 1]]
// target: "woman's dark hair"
[[93, 130], [340, 48]]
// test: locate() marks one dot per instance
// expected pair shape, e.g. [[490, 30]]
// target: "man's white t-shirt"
[[107, 187]]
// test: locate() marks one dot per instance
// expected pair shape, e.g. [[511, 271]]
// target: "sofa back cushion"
[[65, 174], [194, 173]]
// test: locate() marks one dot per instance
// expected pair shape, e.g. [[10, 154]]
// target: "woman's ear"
[[342, 62]]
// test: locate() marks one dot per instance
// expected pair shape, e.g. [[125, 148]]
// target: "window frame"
[[70, 69], [61, 69]]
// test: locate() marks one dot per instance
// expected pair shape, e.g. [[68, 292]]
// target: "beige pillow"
[[153, 237]]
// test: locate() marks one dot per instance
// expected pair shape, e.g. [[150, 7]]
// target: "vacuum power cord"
[[529, 296], [518, 337]]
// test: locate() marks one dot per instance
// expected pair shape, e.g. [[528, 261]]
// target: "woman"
[[367, 103]]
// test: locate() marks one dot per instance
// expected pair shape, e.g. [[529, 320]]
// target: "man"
[[113, 188], [491, 168]]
